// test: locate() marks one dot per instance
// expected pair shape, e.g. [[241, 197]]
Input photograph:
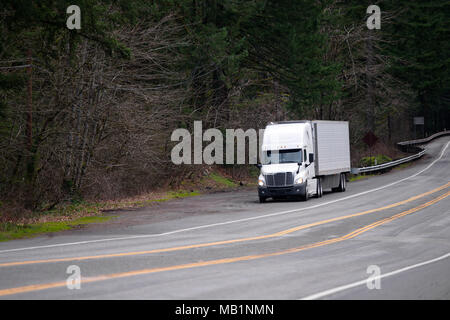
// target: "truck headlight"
[[299, 180], [261, 183]]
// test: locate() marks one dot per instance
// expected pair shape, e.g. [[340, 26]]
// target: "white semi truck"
[[303, 158]]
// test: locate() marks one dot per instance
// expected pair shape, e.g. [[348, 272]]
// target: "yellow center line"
[[209, 244], [37, 287]]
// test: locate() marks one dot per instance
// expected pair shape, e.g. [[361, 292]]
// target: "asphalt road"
[[229, 246]]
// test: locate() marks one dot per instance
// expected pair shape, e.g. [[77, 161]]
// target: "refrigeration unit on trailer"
[[303, 158]]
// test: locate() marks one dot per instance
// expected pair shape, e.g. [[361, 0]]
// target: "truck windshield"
[[282, 156]]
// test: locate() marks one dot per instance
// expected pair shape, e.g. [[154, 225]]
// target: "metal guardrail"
[[402, 160], [425, 140]]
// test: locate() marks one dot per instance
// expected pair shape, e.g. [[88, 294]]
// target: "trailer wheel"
[[341, 187]]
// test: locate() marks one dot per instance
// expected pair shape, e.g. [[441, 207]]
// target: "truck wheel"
[[341, 187], [319, 191], [305, 197], [262, 199]]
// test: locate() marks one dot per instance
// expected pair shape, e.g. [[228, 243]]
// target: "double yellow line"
[[216, 243], [348, 236]]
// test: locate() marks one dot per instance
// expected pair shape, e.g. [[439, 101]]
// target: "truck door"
[[310, 172]]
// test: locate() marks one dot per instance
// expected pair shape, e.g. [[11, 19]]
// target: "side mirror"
[[311, 157], [258, 165]]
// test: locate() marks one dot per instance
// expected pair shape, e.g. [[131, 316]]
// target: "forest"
[[88, 113]]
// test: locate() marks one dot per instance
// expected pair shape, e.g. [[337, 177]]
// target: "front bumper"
[[295, 190]]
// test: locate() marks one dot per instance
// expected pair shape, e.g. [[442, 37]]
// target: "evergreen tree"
[[420, 45]]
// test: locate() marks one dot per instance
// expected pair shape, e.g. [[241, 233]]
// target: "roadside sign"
[[419, 120], [370, 139]]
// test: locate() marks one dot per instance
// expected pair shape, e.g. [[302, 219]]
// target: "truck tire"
[[342, 184], [341, 187], [305, 197], [262, 199], [319, 191]]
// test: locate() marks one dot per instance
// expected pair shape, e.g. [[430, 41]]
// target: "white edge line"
[[232, 221], [359, 283]]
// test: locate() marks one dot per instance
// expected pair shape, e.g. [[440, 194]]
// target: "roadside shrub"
[[375, 160]]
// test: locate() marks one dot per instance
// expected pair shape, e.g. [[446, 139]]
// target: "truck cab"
[[287, 156], [301, 158]]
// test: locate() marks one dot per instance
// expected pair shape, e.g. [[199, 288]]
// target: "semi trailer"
[[303, 158]]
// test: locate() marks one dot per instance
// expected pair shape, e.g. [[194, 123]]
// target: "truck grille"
[[280, 179]]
